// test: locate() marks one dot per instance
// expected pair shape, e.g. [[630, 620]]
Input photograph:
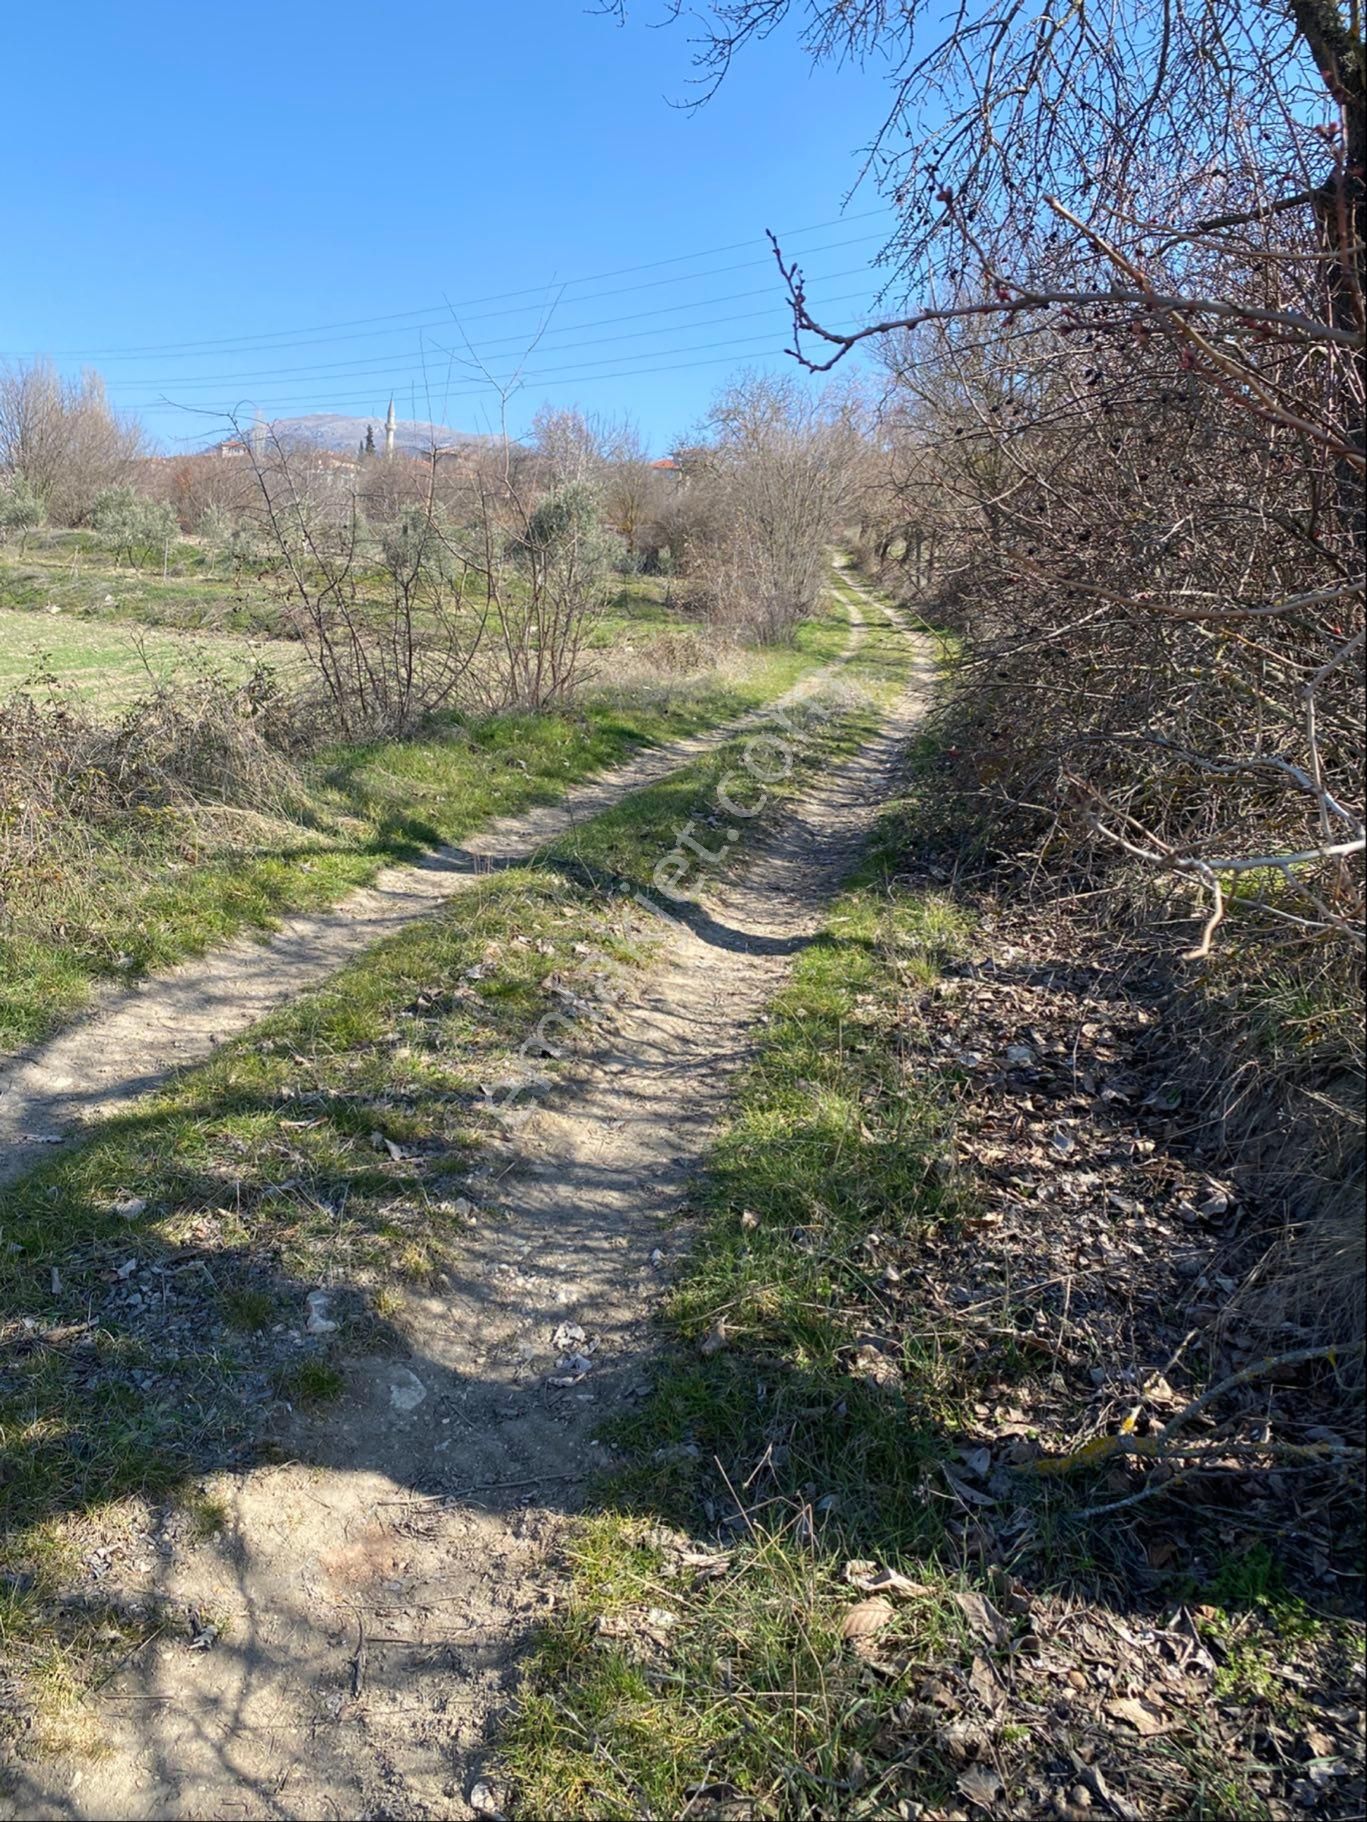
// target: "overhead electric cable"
[[386, 370], [444, 310]]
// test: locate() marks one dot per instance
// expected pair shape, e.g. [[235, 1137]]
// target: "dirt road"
[[371, 1595], [133, 1038]]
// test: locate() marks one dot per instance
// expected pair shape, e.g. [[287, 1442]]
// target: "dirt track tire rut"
[[132, 1039], [378, 1587]]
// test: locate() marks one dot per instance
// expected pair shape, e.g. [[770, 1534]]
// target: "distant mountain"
[[328, 430]]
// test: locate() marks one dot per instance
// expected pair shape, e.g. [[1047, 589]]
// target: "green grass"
[[332, 1145], [638, 607], [762, 1429], [310, 1382], [247, 1309], [72, 571], [164, 885], [202, 593], [110, 665]]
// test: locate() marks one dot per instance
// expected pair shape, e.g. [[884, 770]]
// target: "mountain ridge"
[[344, 434]]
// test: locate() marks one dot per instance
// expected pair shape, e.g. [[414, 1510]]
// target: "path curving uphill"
[[133, 1038], [375, 1589]]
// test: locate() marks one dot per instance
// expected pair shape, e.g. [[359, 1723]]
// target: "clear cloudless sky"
[[271, 176]]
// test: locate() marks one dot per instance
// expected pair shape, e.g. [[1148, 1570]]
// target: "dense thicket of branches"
[[466, 580], [1125, 409], [1163, 608], [770, 480]]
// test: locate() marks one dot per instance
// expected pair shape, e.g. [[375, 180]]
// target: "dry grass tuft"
[[66, 778]]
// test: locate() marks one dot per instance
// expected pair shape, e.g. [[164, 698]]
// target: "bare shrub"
[[1165, 579], [779, 475], [563, 562], [388, 625], [64, 437], [535, 558], [197, 486], [395, 592], [70, 784]]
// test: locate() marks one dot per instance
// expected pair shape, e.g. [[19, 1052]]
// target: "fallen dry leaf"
[[961, 1741], [866, 1619], [984, 1685], [871, 1579], [1090, 1775], [705, 1564], [381, 1143], [971, 1496], [1142, 1719], [983, 1617], [980, 1785]]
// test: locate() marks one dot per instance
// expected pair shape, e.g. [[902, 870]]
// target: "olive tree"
[[21, 510], [135, 528]]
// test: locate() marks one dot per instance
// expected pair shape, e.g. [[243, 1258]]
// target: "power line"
[[444, 310], [523, 309], [716, 360], [386, 370], [518, 376]]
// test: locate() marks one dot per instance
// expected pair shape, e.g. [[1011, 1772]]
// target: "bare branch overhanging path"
[[133, 1039], [378, 1585]]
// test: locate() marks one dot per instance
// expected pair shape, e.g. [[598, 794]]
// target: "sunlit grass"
[[158, 887]]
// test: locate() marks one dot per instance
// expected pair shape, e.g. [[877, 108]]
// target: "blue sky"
[[255, 176]]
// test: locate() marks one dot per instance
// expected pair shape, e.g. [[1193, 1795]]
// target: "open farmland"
[[109, 663], [68, 612], [186, 588]]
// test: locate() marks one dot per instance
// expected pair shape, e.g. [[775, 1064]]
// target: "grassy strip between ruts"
[[166, 884], [785, 1603], [154, 1279], [771, 1430]]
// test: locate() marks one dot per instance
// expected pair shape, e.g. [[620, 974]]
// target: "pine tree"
[[369, 448]]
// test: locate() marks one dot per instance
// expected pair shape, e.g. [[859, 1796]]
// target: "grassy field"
[[137, 1404], [69, 571], [109, 664]]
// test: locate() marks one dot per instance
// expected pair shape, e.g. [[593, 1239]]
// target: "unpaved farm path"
[[133, 1038], [375, 1590]]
